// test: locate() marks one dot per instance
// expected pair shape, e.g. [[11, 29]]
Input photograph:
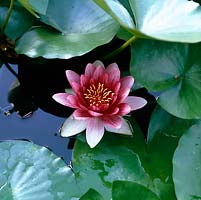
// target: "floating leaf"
[[127, 159], [39, 6], [118, 12], [27, 5], [187, 165], [15, 28], [162, 122], [52, 44], [91, 195], [105, 164], [28, 171], [130, 190], [84, 27], [175, 21], [173, 69]]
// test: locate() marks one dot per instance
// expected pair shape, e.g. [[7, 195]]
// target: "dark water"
[[41, 127]]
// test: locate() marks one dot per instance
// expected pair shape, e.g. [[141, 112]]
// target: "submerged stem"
[[121, 48], [7, 17]]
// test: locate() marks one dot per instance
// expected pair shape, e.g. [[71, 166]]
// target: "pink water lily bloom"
[[100, 98]]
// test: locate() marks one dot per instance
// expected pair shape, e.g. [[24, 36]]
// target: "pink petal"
[[99, 73], [94, 114], [135, 102], [116, 87], [98, 63], [124, 109], [112, 120], [94, 131], [81, 114], [84, 81], [113, 72], [125, 129], [89, 70], [72, 126], [112, 111], [122, 95], [73, 101], [105, 79], [72, 77], [62, 98], [127, 82], [76, 87]]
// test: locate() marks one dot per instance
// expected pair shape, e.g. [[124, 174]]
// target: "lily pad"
[[39, 6], [174, 70], [118, 12], [175, 21], [130, 190], [162, 122], [91, 195], [27, 5], [52, 44], [127, 159], [15, 28], [84, 27], [187, 165], [28, 171]]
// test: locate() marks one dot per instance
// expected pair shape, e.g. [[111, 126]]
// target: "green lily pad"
[[91, 195], [174, 70], [118, 12], [27, 5], [130, 190], [52, 44], [175, 21], [162, 122], [105, 164], [28, 171], [127, 159], [82, 26], [39, 6], [15, 28], [187, 165]]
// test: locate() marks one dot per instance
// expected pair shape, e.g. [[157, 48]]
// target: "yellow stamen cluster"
[[98, 94]]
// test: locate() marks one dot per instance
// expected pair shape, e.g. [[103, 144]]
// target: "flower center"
[[97, 95]]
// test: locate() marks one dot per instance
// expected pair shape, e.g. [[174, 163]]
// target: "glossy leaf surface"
[[173, 69], [84, 27], [175, 20], [28, 171], [130, 190], [126, 159], [187, 165], [15, 28], [162, 122], [52, 44], [91, 195]]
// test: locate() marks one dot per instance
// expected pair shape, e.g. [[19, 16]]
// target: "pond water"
[[41, 127]]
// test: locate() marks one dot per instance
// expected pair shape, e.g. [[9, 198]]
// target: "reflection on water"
[[41, 127]]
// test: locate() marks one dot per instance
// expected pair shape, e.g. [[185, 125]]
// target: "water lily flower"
[[100, 99]]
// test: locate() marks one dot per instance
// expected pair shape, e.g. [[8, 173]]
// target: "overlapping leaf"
[[92, 195], [126, 159], [15, 28], [130, 190], [175, 20], [162, 122], [81, 26], [28, 171], [172, 68], [187, 165]]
